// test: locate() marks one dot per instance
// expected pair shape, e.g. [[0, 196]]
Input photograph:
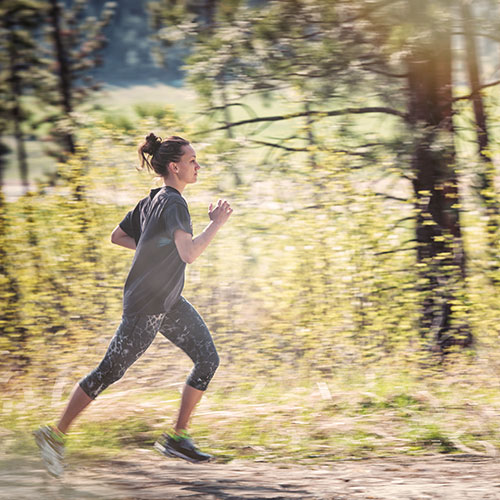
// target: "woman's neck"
[[175, 183]]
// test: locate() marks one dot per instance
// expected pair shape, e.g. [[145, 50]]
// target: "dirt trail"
[[147, 476]]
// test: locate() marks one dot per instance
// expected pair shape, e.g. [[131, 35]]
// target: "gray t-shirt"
[[156, 278]]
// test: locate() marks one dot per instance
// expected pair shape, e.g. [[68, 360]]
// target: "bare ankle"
[[59, 431]]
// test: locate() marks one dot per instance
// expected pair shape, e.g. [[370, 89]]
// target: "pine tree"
[[440, 251], [19, 22], [487, 171], [332, 54], [77, 41]]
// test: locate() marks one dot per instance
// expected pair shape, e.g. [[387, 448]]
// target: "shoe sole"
[[169, 452], [53, 466]]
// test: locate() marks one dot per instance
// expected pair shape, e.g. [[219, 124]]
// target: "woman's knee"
[[214, 360], [203, 372], [99, 380], [208, 366]]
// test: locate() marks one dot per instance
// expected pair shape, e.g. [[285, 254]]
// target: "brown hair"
[[161, 153]]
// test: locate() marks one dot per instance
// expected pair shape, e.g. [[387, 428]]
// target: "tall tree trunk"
[[210, 10], [64, 73], [17, 113], [486, 186], [3, 152], [440, 254]]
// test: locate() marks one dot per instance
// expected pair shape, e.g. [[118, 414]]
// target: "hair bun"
[[152, 144]]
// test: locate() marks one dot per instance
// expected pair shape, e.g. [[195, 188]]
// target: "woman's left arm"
[[120, 237]]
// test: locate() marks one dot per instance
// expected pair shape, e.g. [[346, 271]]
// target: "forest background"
[[354, 294]]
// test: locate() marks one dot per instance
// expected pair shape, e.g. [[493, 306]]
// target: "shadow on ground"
[[147, 476]]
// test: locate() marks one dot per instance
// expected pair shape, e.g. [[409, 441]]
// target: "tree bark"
[[210, 11], [3, 151], [64, 73], [486, 175], [440, 254], [17, 114]]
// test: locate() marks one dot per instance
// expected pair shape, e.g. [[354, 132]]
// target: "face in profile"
[[187, 166]]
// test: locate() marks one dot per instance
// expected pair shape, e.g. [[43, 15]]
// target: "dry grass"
[[376, 412]]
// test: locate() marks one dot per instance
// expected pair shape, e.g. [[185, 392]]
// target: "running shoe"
[[181, 446], [51, 444]]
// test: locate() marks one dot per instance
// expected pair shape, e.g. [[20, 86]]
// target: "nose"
[[197, 167]]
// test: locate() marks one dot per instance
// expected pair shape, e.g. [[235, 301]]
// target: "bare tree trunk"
[[16, 93], [440, 254], [486, 186], [65, 80], [210, 10], [3, 151]]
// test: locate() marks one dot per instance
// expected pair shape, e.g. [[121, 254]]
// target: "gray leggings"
[[182, 325]]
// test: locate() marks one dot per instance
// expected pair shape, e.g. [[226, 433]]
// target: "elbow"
[[187, 257], [115, 237], [186, 248]]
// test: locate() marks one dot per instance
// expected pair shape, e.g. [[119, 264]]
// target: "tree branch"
[[279, 146], [368, 67], [484, 35], [246, 107], [368, 10], [300, 150], [472, 94], [396, 250], [390, 197], [319, 114]]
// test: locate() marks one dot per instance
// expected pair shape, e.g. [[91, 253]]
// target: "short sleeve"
[[177, 216], [131, 224]]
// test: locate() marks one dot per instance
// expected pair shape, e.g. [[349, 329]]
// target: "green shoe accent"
[[181, 446], [50, 443], [177, 436], [57, 435]]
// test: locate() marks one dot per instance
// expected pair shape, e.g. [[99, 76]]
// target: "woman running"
[[159, 230]]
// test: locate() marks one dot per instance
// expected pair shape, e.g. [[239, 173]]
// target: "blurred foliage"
[[19, 63], [47, 54], [314, 284], [74, 41], [332, 61], [308, 277]]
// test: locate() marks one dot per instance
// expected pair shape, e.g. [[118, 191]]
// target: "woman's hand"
[[221, 213]]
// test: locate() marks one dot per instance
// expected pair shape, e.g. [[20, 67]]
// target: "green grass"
[[283, 421]]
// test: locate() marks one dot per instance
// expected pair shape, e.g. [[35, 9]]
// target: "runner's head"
[[162, 153]]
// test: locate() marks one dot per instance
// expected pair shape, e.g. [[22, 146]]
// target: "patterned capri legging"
[[182, 325]]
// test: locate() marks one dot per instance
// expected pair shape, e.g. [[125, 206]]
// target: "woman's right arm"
[[190, 248], [120, 237]]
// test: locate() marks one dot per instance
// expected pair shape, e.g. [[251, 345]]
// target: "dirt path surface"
[[148, 476]]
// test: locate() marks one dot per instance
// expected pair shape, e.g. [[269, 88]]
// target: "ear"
[[172, 166]]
